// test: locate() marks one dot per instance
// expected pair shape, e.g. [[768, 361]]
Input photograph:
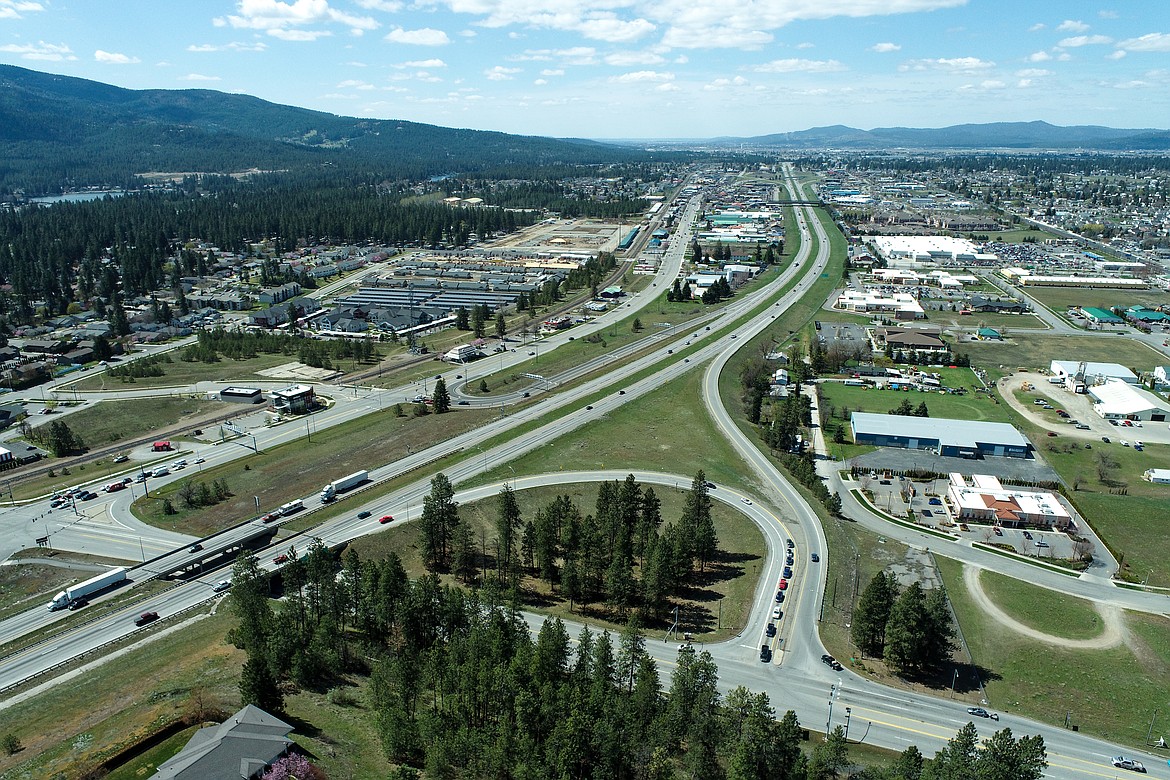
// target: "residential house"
[[240, 748]]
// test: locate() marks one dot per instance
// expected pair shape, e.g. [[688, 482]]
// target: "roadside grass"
[[1017, 236], [1036, 351], [76, 724], [829, 315], [1044, 610], [180, 373], [1007, 323], [299, 468], [147, 763], [108, 422], [1108, 693], [24, 586], [730, 580], [1134, 527], [1061, 298]]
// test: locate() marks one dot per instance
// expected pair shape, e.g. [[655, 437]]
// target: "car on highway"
[[814, 558], [121, 458], [145, 617], [386, 519], [790, 544], [765, 653], [280, 559], [979, 712], [362, 515], [268, 518], [78, 603], [1133, 765], [199, 460], [747, 501], [779, 596], [464, 403], [770, 629], [998, 531], [221, 586], [783, 585], [776, 613], [787, 572], [195, 547], [831, 662]]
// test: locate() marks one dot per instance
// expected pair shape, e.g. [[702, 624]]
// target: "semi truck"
[[90, 586], [330, 491], [291, 507]]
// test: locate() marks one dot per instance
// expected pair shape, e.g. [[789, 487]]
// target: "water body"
[[77, 197]]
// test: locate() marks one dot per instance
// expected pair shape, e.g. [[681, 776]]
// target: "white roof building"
[[1118, 400], [1161, 476], [1095, 373], [903, 305], [985, 499]]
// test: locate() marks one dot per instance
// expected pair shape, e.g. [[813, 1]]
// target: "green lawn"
[[108, 422], [733, 579], [1037, 351], [297, 469], [1108, 693], [838, 397], [1042, 609], [181, 373], [1061, 298], [1018, 236], [1007, 324]]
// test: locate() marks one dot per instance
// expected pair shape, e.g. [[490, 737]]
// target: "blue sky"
[[628, 68]]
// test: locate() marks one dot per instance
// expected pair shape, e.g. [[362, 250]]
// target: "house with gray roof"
[[243, 746]]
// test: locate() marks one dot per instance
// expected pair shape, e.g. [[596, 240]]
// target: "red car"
[[783, 585], [282, 558], [386, 519], [145, 617], [268, 518]]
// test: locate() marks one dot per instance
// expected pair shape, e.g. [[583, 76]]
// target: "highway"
[[795, 679]]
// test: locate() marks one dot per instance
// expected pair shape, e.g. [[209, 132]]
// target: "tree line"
[[461, 688], [908, 628], [622, 558]]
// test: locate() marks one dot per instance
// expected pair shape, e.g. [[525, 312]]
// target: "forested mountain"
[[994, 135], [59, 131]]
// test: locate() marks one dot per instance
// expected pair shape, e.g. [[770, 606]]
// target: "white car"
[[776, 613], [1124, 443]]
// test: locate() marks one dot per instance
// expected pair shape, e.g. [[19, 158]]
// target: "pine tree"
[[907, 631], [868, 626], [441, 398], [508, 522]]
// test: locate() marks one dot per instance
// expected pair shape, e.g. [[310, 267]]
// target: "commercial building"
[[242, 395], [1120, 401], [954, 438], [985, 500], [1160, 476], [902, 306], [292, 400], [1073, 372], [917, 340]]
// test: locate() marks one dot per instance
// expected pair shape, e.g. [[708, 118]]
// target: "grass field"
[[1044, 610], [1037, 351], [1108, 693], [962, 407], [181, 373], [1017, 236], [295, 469], [732, 579], [1005, 323], [108, 422], [1061, 298]]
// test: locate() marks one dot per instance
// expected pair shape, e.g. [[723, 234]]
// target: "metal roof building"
[[1117, 400], [956, 438]]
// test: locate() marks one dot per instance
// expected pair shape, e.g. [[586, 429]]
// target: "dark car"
[[815, 558], [464, 403], [791, 544], [831, 662], [935, 502], [787, 572], [765, 653], [195, 547], [979, 712], [145, 617], [363, 515], [78, 603], [771, 629]]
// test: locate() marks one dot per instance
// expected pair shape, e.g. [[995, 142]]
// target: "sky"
[[628, 68]]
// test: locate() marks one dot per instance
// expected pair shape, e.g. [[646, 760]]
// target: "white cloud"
[[298, 35], [198, 77], [1037, 27], [1039, 56], [425, 36], [1073, 26], [992, 84], [668, 87], [233, 46], [1033, 73], [48, 52], [15, 9], [1147, 42], [1135, 84], [613, 30], [954, 64], [279, 19], [1107, 14], [806, 45], [719, 85], [540, 82], [625, 59], [1118, 54], [885, 48], [642, 76], [552, 72], [432, 63], [114, 58], [389, 6], [1084, 40], [500, 73], [355, 84], [1024, 83], [799, 66], [577, 55]]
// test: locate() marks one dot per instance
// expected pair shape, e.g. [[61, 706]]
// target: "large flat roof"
[[1121, 398], [955, 433]]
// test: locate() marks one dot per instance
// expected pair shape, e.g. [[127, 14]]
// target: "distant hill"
[[58, 130], [995, 135]]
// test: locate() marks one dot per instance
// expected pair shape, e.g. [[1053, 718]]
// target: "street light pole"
[[829, 720], [848, 712], [954, 680], [1150, 733]]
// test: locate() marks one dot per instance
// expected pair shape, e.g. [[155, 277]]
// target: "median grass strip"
[[1109, 693]]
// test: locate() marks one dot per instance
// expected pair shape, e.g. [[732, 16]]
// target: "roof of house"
[[237, 748], [1110, 370], [910, 338], [955, 433]]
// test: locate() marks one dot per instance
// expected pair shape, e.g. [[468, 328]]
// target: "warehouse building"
[[1068, 372], [953, 438], [1121, 401], [985, 500]]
